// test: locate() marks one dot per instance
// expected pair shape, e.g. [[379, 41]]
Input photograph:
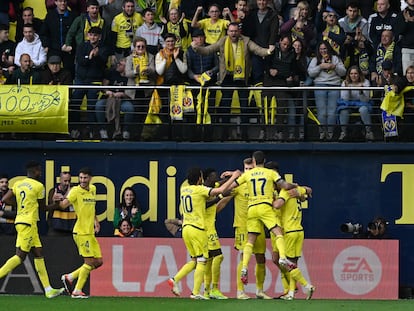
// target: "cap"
[[197, 33], [54, 59], [387, 65]]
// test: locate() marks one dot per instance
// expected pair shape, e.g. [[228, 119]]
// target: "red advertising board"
[[340, 269]]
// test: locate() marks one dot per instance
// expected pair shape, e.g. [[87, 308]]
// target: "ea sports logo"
[[357, 270]]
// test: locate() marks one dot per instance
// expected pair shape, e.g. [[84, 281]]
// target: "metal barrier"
[[291, 117]]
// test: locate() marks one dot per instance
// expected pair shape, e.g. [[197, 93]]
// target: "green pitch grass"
[[65, 303]]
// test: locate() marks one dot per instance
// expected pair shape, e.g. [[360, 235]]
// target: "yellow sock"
[[75, 274], [280, 243], [84, 272], [9, 265], [216, 269], [198, 277], [247, 253], [292, 283], [186, 269], [207, 274], [260, 275], [298, 276], [284, 275], [42, 272], [240, 286]]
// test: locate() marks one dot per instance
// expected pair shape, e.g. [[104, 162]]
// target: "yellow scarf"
[[394, 103], [336, 30], [168, 55], [142, 62], [235, 63], [89, 24]]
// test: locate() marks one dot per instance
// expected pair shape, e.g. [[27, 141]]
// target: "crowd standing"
[[256, 42]]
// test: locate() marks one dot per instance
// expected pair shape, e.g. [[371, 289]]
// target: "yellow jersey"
[[214, 31], [125, 28], [28, 191], [83, 202], [193, 200], [260, 183], [291, 211]]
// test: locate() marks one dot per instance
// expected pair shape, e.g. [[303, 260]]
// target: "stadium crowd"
[[279, 43]]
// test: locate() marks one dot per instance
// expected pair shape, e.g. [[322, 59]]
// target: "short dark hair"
[[4, 175], [32, 167], [259, 157], [170, 35], [96, 30], [144, 11], [4, 27], [85, 170], [92, 2], [352, 4], [272, 165], [193, 175], [28, 25]]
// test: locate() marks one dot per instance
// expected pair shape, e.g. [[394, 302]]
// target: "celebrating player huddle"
[[281, 214]]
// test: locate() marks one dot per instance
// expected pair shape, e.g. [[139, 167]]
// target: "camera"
[[351, 228]]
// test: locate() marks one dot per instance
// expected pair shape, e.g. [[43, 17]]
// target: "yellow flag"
[[312, 116]]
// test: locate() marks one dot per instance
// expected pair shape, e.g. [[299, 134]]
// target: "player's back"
[[260, 184], [193, 202], [291, 212], [28, 191]]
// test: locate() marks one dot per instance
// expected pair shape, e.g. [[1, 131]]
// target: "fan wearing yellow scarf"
[[234, 71]]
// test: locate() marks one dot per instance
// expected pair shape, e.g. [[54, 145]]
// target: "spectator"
[[78, 31], [179, 26], [240, 12], [127, 230], [355, 100], [150, 31], [280, 72], [356, 47], [27, 17], [404, 28], [170, 63], [386, 50], [300, 78], [262, 27], [214, 27], [383, 19], [91, 59], [190, 7], [326, 69], [201, 64], [328, 29], [116, 101], [54, 32], [140, 70], [54, 74], [7, 51], [158, 7], [31, 45], [60, 221], [299, 26], [230, 59], [76, 6], [7, 212], [408, 121], [110, 9], [128, 209], [25, 73], [124, 25]]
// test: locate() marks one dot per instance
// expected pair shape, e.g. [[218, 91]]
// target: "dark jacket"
[[264, 33], [55, 28], [91, 70], [62, 77]]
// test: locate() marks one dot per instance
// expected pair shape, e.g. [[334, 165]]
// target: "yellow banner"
[[34, 109]]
